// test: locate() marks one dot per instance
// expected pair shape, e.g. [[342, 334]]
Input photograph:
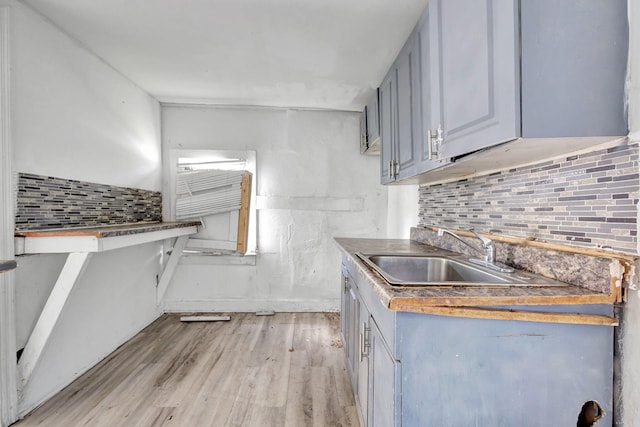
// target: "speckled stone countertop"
[[108, 230], [7, 265], [398, 297]]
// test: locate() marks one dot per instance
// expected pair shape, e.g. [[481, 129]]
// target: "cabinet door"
[[373, 125], [474, 64], [425, 159], [353, 342], [349, 320], [387, 139], [363, 131], [384, 372], [362, 388], [407, 115], [574, 60], [344, 306]]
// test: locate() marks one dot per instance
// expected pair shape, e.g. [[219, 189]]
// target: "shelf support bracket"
[[71, 271], [170, 269]]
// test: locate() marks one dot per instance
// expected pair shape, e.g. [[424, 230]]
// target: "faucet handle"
[[486, 242]]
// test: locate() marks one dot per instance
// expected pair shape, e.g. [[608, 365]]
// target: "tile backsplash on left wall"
[[45, 202]]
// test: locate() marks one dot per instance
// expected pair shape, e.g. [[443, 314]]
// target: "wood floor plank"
[[282, 370]]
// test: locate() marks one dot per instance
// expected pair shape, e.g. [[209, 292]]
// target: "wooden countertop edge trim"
[[402, 304], [522, 315], [552, 246]]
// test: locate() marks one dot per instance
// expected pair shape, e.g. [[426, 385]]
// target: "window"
[[206, 185]]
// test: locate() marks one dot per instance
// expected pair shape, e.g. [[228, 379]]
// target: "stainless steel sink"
[[445, 270]]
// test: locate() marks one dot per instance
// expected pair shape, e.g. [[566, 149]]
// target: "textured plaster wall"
[[312, 185]]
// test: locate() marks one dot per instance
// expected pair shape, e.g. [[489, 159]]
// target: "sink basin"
[[443, 270]]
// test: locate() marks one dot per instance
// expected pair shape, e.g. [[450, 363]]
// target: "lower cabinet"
[[349, 324], [372, 369], [361, 385], [383, 374], [416, 370]]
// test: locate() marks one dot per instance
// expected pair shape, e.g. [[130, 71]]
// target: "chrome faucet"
[[488, 251]]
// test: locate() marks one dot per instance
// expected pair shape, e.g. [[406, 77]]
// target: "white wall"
[[75, 117], [631, 322], [402, 210], [312, 186]]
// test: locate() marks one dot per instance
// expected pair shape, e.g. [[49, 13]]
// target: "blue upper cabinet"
[[370, 127], [498, 71], [387, 95], [574, 63], [473, 75], [400, 115]]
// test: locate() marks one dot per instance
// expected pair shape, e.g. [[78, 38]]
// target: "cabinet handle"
[[434, 144], [430, 144], [393, 169], [364, 342]]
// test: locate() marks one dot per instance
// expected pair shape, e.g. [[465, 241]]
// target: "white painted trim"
[[203, 258], [224, 245], [67, 244], [8, 372], [252, 306], [8, 379], [71, 271], [170, 269]]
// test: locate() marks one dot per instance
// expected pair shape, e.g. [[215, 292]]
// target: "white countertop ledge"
[[98, 239]]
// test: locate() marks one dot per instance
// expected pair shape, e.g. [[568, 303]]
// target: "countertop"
[[108, 230], [416, 299], [7, 265], [99, 239]]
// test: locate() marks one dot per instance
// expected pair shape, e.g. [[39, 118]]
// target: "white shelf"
[[98, 239], [80, 244]]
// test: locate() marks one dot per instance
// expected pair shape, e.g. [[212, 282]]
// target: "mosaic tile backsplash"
[[586, 200], [46, 202]]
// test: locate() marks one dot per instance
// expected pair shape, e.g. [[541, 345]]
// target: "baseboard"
[[249, 306]]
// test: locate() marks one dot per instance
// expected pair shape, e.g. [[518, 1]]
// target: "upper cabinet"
[[370, 127], [573, 68], [400, 115], [473, 75], [499, 71]]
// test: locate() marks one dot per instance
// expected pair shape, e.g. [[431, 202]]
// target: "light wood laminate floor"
[[281, 370]]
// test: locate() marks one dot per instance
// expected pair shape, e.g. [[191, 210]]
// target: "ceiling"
[[328, 54]]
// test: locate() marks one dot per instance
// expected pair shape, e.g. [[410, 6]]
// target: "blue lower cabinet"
[[418, 370], [467, 372], [383, 375]]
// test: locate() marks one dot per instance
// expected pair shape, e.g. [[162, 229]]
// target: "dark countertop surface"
[[108, 230], [7, 265], [404, 298]]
